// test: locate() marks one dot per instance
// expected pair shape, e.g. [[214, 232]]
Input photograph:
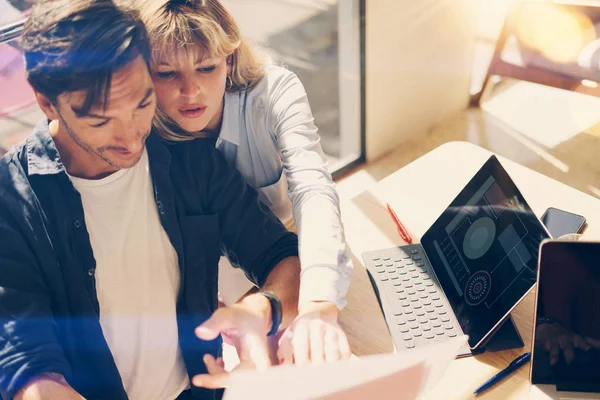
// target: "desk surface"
[[419, 193]]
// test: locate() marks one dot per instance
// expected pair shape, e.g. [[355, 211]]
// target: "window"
[[320, 40]]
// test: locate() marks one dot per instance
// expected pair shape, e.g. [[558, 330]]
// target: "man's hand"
[[244, 325], [314, 336], [555, 338]]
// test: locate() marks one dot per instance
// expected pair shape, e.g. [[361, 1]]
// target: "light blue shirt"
[[268, 134]]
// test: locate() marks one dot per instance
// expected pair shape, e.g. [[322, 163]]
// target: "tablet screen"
[[566, 350], [484, 249]]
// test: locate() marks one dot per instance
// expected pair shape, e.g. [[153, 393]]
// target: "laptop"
[[565, 362], [471, 268]]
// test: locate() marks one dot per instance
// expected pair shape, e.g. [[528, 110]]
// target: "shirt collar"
[[157, 148], [42, 155], [230, 131]]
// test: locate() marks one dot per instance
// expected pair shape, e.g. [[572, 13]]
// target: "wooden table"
[[419, 193]]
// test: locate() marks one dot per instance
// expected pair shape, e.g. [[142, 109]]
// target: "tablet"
[[484, 250], [566, 348]]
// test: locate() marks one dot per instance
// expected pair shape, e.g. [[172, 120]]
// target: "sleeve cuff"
[[286, 246], [323, 283]]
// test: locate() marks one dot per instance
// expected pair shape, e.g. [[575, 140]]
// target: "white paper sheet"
[[403, 376]]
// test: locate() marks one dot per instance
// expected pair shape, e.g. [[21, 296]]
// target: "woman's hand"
[[314, 336]]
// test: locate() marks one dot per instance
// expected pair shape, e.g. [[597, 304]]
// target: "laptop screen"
[[484, 250], [566, 350]]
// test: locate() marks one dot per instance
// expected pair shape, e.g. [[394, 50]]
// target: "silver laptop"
[[566, 347]]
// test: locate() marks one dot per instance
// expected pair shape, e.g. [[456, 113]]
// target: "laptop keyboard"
[[420, 313]]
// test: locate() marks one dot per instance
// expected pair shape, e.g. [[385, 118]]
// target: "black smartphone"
[[560, 222]]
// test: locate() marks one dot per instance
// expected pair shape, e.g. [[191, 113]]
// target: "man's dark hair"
[[73, 45]]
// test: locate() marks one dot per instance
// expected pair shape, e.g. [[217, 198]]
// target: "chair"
[[580, 75]]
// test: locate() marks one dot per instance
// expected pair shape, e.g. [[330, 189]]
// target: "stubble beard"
[[99, 152]]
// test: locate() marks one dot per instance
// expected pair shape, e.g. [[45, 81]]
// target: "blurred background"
[[389, 80], [306, 36]]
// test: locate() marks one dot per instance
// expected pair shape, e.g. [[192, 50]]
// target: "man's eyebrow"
[[80, 114]]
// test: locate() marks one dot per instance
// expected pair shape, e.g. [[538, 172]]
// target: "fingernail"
[[202, 330]]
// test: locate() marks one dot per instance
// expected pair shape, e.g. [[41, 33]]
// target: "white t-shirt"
[[137, 281]]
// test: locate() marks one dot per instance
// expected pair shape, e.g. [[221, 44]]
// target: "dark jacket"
[[49, 311]]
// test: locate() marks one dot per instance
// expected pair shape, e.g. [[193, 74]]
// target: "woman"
[[209, 83]]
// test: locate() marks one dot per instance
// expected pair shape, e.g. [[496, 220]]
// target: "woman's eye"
[[167, 74], [207, 69]]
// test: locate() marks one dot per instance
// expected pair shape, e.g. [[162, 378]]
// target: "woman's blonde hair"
[[187, 25]]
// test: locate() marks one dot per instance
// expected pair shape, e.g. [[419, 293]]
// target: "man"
[[110, 238]]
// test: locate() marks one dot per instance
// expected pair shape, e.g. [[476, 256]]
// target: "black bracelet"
[[276, 311]]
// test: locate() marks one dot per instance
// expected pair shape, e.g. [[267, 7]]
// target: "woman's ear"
[[229, 62]]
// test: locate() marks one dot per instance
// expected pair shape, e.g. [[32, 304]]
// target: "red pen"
[[401, 229]]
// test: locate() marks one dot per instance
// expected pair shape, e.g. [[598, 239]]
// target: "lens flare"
[[557, 32]]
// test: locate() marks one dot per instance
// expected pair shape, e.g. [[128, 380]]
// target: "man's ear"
[[46, 106]]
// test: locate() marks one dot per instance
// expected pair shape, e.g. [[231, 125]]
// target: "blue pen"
[[513, 366]]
